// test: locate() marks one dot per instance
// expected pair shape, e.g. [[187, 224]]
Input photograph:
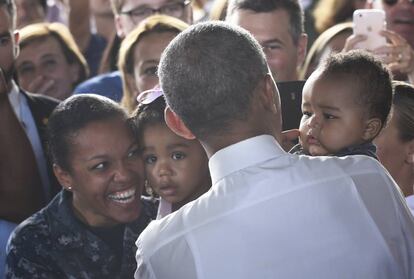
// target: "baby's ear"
[[372, 128]]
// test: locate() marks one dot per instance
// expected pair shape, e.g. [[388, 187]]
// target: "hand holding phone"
[[370, 23]]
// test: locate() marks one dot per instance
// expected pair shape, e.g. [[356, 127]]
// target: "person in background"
[[176, 168], [89, 228], [103, 18], [395, 144], [30, 11], [278, 26], [201, 9], [398, 53], [27, 182], [342, 113], [90, 42], [268, 213], [50, 62], [74, 13], [218, 10], [140, 54], [329, 42], [128, 15]]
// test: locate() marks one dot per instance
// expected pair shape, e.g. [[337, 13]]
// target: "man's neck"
[[216, 143]]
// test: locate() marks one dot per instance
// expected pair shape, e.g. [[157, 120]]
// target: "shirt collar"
[[240, 155]]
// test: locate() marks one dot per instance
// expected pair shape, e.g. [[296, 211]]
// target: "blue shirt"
[[108, 85]]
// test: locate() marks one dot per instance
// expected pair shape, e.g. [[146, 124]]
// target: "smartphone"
[[369, 22]]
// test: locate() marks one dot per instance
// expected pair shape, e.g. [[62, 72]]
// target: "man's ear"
[[372, 128], [63, 177], [269, 94], [175, 123], [302, 47]]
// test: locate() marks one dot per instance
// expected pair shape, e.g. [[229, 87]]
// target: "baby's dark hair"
[[147, 114], [368, 75]]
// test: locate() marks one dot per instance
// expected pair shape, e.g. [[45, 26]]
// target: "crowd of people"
[[143, 139]]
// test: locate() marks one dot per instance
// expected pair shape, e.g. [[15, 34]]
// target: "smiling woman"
[[90, 228]]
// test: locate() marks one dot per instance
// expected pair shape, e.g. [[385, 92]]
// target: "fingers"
[[398, 54], [352, 41], [389, 53], [40, 85], [393, 37], [289, 138]]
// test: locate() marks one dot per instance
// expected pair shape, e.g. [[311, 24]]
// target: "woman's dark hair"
[[403, 106], [70, 116], [144, 115]]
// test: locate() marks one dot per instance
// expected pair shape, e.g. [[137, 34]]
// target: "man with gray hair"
[[278, 26], [269, 214]]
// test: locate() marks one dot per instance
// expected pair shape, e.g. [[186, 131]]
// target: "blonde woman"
[[140, 53]]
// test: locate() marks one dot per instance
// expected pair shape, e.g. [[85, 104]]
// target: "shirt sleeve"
[[144, 270], [406, 221]]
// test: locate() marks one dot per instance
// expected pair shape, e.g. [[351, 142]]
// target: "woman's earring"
[[69, 188]]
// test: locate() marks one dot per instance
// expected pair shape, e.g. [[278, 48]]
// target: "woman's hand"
[[397, 54]]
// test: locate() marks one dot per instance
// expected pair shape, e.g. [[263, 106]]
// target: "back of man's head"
[[292, 7], [10, 7], [209, 74]]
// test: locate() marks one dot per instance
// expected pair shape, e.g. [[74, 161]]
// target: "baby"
[[345, 104], [176, 168]]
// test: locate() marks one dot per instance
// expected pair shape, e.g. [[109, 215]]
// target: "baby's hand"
[[288, 138]]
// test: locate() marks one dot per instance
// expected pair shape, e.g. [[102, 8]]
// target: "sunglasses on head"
[[393, 2], [149, 96]]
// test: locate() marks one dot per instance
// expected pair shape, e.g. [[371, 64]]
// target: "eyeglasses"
[[175, 9], [393, 2], [149, 96]]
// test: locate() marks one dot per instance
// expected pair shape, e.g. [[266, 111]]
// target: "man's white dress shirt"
[[410, 203], [270, 214]]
